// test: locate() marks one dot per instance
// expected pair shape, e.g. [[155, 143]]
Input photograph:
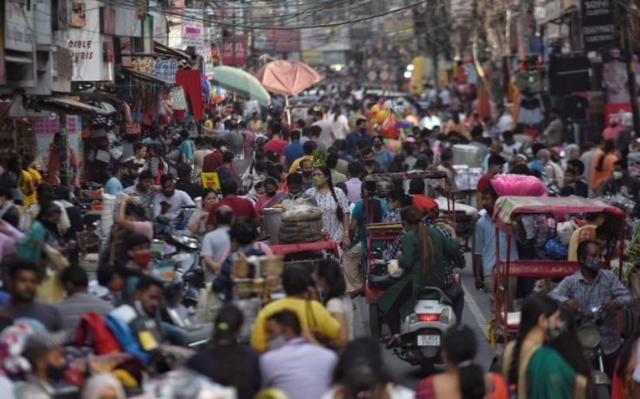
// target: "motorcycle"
[[421, 332], [591, 340]]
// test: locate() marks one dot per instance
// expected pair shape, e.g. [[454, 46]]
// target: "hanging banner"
[[240, 51], [192, 33], [207, 59], [161, 68], [86, 46], [598, 29]]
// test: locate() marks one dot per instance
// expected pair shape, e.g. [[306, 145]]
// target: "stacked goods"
[[300, 223], [518, 185]]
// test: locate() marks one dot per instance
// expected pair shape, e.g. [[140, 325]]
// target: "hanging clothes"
[[189, 79]]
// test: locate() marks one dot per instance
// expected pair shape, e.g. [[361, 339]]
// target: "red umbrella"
[[287, 78]]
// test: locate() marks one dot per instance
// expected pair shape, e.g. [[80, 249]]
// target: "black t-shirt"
[[12, 216], [192, 189], [578, 188]]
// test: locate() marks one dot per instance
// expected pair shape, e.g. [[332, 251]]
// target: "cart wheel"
[[374, 319]]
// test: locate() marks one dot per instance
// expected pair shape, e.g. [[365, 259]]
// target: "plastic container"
[[469, 155], [272, 220]]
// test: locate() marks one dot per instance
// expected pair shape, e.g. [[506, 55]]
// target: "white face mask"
[[617, 175]]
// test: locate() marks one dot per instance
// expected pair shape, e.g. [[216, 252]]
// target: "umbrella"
[[288, 78], [241, 82]]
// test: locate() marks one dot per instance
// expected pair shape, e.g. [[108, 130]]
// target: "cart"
[[389, 232], [506, 209]]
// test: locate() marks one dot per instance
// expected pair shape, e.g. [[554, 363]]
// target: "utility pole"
[[233, 35], [628, 48]]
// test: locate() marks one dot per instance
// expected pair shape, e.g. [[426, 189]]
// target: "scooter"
[[591, 340], [421, 332]]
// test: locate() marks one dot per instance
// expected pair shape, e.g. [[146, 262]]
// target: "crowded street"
[[320, 199]]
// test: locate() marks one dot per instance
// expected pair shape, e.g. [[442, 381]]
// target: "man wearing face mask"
[[359, 137], [620, 182], [44, 352], [593, 287]]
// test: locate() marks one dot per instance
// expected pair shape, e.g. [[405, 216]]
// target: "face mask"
[[593, 265], [277, 342], [142, 258], [617, 175], [55, 374], [319, 181], [553, 332]]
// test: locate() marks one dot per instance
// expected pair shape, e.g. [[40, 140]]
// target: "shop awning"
[[72, 106], [147, 77], [161, 48]]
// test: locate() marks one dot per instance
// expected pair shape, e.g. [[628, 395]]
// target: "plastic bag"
[[518, 185]]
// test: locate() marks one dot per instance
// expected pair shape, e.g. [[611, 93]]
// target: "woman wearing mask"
[[272, 196], [334, 206], [529, 364], [330, 280], [361, 373], [225, 361], [463, 378], [198, 221]]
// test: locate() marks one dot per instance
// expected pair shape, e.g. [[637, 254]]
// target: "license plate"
[[428, 340]]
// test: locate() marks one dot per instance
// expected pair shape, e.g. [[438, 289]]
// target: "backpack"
[[127, 340], [93, 326]]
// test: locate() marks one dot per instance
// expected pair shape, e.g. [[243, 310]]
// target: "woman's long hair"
[[234, 367], [532, 308], [609, 146], [460, 348], [413, 218], [331, 272], [327, 174]]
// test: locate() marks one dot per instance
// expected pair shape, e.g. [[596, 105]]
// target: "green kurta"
[[411, 263]]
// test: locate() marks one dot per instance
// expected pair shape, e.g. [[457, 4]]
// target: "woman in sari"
[[271, 197], [538, 371]]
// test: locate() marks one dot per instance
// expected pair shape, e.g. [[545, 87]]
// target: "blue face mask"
[[594, 265]]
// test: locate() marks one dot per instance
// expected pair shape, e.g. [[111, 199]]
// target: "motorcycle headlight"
[[445, 316]]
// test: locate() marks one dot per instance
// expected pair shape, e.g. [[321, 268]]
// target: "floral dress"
[[328, 206]]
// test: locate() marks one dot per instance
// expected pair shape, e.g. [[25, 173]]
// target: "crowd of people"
[[305, 344]]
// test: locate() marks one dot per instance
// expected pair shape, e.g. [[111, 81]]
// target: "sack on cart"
[[300, 223]]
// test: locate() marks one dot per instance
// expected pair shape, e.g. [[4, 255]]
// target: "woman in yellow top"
[[29, 180], [604, 165]]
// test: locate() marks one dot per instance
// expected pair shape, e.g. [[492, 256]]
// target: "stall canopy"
[[508, 206], [242, 83], [73, 106], [147, 77]]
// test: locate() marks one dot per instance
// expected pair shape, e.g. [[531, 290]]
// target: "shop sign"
[[240, 50], [17, 34], [286, 41], [161, 68], [74, 124], [192, 33], [313, 57], [598, 28], [63, 70], [86, 46], [46, 124], [210, 180]]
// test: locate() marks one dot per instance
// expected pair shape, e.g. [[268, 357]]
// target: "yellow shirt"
[[312, 315], [28, 188], [296, 164], [587, 232]]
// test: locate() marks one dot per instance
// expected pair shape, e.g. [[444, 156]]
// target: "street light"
[[408, 74], [410, 68]]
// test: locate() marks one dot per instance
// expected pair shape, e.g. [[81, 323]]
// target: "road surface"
[[475, 315]]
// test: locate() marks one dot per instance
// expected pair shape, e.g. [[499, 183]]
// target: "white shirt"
[[340, 127], [445, 97], [177, 200], [215, 244], [513, 149], [505, 122], [429, 122], [343, 306]]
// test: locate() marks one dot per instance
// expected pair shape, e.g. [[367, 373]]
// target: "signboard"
[[127, 22], [192, 33], [46, 124], [286, 41], [17, 32], [210, 180], [240, 50], [161, 68], [598, 29], [207, 59], [86, 46], [63, 70]]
